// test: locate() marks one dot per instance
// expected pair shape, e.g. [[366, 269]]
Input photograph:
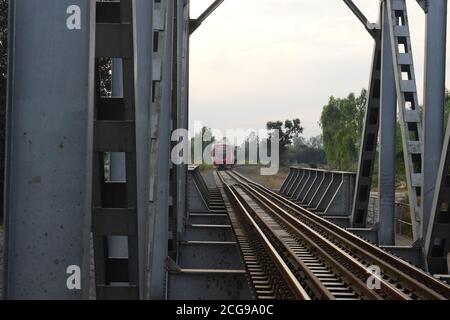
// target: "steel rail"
[[352, 282], [319, 243], [409, 281], [297, 289], [267, 282], [417, 281], [315, 238], [319, 289]]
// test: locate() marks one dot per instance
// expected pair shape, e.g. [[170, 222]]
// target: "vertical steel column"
[[182, 106], [117, 245], [369, 139], [388, 125], [143, 26], [116, 205], [160, 146], [48, 157], [409, 109], [117, 160], [434, 100], [437, 244], [174, 172], [124, 31]]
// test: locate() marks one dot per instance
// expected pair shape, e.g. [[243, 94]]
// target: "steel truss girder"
[[369, 141], [161, 112], [388, 139], [115, 203], [434, 102], [410, 121], [47, 183], [121, 125], [436, 169], [180, 121], [409, 110], [437, 245]]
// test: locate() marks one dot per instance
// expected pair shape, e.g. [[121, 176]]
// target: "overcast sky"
[[255, 61]]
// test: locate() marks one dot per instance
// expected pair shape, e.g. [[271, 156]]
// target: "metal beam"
[[160, 147], [369, 140], [195, 23], [388, 126], [423, 4], [409, 109], [181, 55], [117, 245], [434, 101], [117, 160], [115, 204], [370, 27], [437, 245], [143, 13], [48, 159]]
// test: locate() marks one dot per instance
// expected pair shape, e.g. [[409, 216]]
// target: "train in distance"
[[223, 156]]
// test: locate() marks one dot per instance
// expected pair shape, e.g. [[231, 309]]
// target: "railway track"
[[312, 257]]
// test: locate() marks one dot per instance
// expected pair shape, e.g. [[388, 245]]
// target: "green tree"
[[342, 122], [288, 130], [309, 152], [205, 135]]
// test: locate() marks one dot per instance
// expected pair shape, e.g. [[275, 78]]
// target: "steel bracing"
[[409, 111], [369, 139], [397, 90], [434, 101], [437, 246]]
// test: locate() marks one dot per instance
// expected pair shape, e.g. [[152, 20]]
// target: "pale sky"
[[255, 61]]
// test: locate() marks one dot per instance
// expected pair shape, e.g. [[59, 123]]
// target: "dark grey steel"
[[434, 102], [423, 4], [369, 140], [387, 150], [195, 23], [117, 245], [117, 160], [49, 129], [182, 120], [372, 28], [121, 124], [437, 245], [143, 21], [409, 110], [160, 147], [325, 192]]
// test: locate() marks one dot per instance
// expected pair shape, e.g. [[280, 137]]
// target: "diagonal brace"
[[423, 4], [195, 23], [372, 28]]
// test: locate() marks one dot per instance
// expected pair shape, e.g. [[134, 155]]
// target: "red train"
[[223, 156]]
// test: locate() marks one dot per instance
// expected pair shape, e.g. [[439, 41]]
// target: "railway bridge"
[[95, 208]]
